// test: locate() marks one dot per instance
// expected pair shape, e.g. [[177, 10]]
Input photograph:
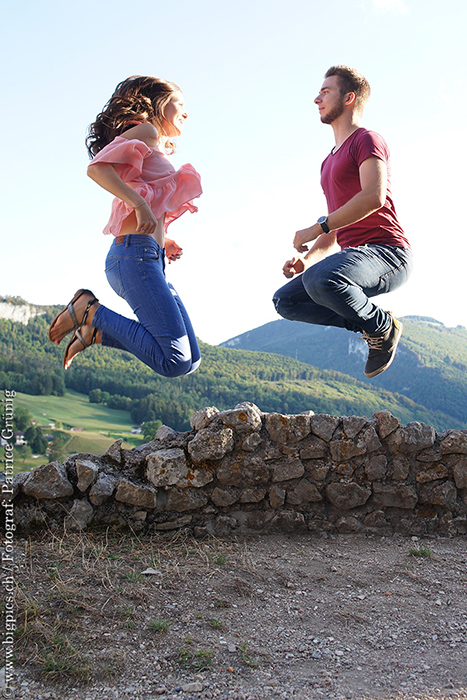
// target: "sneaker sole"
[[382, 369]]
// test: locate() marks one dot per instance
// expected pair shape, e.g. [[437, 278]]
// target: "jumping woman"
[[129, 144]]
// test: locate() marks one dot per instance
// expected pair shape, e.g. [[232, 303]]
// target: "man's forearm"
[[321, 248]]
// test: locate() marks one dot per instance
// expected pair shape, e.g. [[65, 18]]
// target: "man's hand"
[[293, 267], [306, 235]]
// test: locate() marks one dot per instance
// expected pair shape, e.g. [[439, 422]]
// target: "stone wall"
[[243, 471]]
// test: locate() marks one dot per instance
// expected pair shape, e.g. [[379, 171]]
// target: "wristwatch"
[[323, 222]]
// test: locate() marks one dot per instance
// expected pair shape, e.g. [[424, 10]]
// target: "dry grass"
[[82, 592]]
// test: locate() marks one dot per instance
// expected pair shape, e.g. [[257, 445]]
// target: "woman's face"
[[174, 115]]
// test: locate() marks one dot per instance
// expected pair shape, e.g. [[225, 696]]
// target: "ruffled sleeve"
[[127, 155]]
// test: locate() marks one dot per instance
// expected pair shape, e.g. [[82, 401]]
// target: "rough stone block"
[[242, 470], [165, 432], [115, 451], [203, 417], [343, 450], [369, 439], [166, 467], [135, 495], [376, 468], [439, 494], [400, 468], [48, 481], [224, 497], [439, 471], [80, 516], [289, 521], [324, 426], [284, 429], [348, 524], [246, 417], [460, 474], [352, 425], [251, 442], [196, 478], [276, 496], [87, 473], [455, 442], [179, 500], [253, 494], [347, 496], [174, 524], [304, 492], [313, 448], [318, 472], [386, 422], [394, 496], [210, 445], [376, 519], [287, 469], [103, 489], [414, 437]]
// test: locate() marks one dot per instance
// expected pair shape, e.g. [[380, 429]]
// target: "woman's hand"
[[145, 219], [293, 267], [172, 250]]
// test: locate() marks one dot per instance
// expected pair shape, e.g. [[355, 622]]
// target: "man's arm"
[[320, 249], [373, 182]]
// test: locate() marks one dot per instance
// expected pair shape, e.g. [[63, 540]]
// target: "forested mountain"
[[430, 366], [31, 364]]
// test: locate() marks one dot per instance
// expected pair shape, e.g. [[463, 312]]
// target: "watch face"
[[322, 221]]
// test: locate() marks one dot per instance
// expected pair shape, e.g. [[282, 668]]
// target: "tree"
[[21, 418], [150, 429], [36, 440], [95, 396], [24, 451], [57, 450]]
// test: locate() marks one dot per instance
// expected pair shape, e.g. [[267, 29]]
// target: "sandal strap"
[[71, 311], [77, 336], [86, 312]]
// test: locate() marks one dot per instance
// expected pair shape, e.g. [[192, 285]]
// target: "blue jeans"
[[163, 337], [336, 291]]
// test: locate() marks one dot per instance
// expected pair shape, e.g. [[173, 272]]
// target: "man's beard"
[[334, 114]]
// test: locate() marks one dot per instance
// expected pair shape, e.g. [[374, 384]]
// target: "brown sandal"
[[77, 336], [69, 308]]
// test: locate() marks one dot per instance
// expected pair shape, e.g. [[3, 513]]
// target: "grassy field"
[[73, 410], [98, 425]]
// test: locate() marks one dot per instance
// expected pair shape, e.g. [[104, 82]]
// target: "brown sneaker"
[[382, 348]]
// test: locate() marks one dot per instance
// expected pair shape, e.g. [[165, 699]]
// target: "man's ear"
[[350, 98]]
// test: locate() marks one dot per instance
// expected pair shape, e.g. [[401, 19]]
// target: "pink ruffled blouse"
[[149, 172]]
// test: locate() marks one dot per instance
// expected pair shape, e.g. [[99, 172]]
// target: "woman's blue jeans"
[[336, 291], [163, 337]]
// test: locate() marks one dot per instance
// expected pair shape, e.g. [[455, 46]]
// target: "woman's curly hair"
[[135, 100]]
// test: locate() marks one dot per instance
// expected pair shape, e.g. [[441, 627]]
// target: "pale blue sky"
[[249, 71]]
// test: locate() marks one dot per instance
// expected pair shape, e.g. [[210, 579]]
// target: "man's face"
[[330, 101]]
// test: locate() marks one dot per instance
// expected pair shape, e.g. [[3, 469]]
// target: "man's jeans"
[[163, 337], [336, 291]]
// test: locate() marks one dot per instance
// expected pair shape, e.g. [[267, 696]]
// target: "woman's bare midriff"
[[129, 229]]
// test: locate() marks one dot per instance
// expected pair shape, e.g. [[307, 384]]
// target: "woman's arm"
[[106, 176]]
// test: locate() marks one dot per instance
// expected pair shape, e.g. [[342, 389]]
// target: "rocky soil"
[[104, 616]]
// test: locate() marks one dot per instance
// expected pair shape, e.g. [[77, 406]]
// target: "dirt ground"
[[109, 616]]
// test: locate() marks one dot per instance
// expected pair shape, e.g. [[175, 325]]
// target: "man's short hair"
[[350, 80]]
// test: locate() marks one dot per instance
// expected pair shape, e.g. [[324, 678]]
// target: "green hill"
[[29, 363], [429, 368]]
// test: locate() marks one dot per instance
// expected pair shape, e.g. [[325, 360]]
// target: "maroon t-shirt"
[[340, 182]]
